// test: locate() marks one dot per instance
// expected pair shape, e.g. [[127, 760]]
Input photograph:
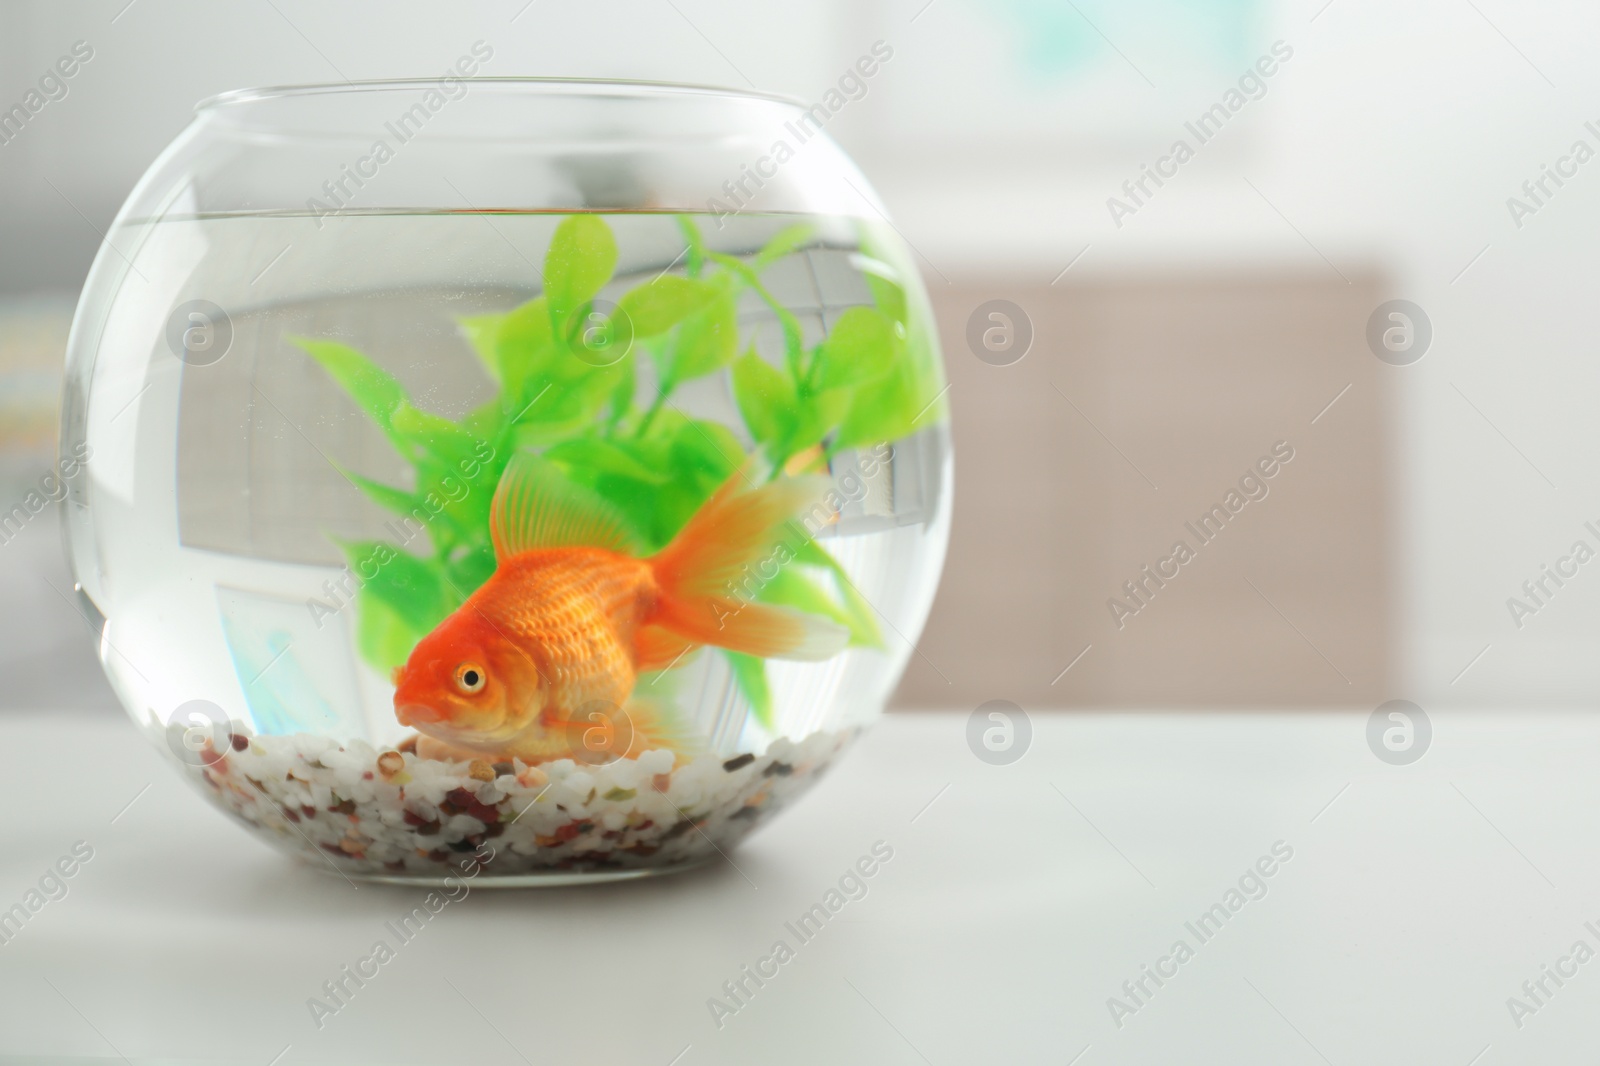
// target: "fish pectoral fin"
[[656, 725], [433, 748], [640, 725]]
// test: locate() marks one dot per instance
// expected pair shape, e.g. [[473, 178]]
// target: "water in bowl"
[[291, 470]]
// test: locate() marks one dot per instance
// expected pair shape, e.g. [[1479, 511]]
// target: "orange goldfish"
[[542, 659]]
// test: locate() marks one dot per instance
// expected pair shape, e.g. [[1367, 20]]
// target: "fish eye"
[[470, 678]]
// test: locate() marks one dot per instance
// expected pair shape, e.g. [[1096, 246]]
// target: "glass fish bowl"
[[537, 481]]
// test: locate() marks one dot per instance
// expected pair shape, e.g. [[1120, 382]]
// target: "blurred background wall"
[[1341, 153]]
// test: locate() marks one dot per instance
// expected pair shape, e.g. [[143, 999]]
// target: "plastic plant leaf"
[[567, 393], [581, 259], [534, 436], [675, 504], [486, 421], [596, 338], [705, 343], [639, 503], [862, 618], [668, 420], [886, 292], [455, 507], [482, 332], [567, 386], [750, 674], [655, 450], [695, 462], [765, 396], [466, 574], [382, 638], [882, 410], [386, 496], [409, 586], [790, 588], [706, 453], [863, 621], [604, 456], [658, 305], [593, 389], [695, 245], [785, 242], [917, 398], [861, 346], [818, 415], [792, 334], [523, 348], [556, 411], [442, 438], [622, 393], [373, 389]]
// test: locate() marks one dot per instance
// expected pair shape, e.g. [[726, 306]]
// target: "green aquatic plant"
[[566, 374]]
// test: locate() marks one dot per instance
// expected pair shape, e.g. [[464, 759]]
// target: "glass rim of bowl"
[[612, 87]]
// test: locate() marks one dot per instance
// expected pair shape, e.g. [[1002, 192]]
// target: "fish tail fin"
[[660, 648], [707, 576]]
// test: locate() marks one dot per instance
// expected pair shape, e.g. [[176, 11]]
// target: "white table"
[[1418, 899]]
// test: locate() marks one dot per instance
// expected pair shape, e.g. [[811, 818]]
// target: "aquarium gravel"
[[387, 812]]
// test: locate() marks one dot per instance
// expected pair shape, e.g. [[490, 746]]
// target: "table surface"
[[1019, 898]]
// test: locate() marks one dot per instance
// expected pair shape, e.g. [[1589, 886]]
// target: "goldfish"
[[541, 661]]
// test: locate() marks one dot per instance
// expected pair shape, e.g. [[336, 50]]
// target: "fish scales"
[[575, 612]]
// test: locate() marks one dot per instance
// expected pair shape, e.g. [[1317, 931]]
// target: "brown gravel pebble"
[[397, 830]]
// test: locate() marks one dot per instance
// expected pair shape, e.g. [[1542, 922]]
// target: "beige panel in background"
[[1139, 406]]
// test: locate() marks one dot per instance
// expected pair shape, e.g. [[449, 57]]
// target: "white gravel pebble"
[[432, 813]]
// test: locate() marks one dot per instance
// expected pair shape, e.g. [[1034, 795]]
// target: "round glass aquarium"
[[530, 480]]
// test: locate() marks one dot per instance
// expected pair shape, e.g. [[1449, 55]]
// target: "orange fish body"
[[540, 662]]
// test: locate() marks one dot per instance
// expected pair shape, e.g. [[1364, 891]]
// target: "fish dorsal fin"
[[535, 506]]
